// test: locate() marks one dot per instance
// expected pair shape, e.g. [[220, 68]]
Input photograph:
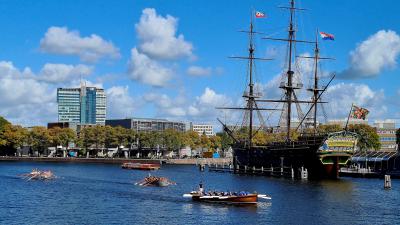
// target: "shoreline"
[[119, 160]]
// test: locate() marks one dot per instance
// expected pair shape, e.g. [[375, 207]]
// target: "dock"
[[287, 172]]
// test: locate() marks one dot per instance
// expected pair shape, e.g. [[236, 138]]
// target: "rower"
[[201, 189]]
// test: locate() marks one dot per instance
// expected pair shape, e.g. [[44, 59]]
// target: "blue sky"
[[168, 59]]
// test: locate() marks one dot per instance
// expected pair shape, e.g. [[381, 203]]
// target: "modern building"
[[77, 127], [84, 105], [201, 129], [386, 129], [147, 124], [342, 122]]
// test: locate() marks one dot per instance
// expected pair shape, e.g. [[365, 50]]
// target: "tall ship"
[[303, 147]]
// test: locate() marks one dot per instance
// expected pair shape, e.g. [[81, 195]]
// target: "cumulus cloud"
[[378, 52], [199, 71], [202, 107], [148, 71], [60, 40], [158, 37], [340, 97], [119, 103], [24, 99], [60, 73]]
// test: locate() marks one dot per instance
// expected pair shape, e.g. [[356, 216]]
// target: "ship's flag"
[[326, 36], [359, 113], [260, 14]]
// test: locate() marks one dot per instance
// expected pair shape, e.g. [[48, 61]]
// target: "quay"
[[367, 173], [287, 172], [191, 161]]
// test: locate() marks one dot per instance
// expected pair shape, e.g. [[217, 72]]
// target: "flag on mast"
[[260, 14], [359, 113], [326, 36]]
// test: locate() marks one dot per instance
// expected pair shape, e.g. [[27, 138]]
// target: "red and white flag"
[[260, 14]]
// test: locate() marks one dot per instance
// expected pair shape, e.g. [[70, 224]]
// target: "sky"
[[169, 59]]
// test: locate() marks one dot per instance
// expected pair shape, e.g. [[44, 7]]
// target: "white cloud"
[[24, 99], [158, 36], [340, 97], [119, 103], [378, 52], [199, 71], [61, 73], [202, 108], [144, 69], [60, 40]]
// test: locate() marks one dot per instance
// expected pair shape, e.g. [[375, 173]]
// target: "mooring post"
[[245, 169], [292, 173], [388, 182], [262, 169], [272, 170], [282, 166], [304, 173]]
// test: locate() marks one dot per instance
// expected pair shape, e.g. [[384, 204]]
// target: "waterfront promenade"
[[187, 161]]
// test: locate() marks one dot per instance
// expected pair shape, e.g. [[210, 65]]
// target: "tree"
[[39, 139], [3, 123], [191, 139], [226, 140], [398, 136], [368, 138], [215, 142], [110, 138], [61, 136], [172, 139], [13, 136], [329, 128]]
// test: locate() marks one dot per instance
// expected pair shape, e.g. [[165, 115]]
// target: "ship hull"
[[303, 154], [247, 199]]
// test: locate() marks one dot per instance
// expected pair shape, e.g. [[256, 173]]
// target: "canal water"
[[106, 194]]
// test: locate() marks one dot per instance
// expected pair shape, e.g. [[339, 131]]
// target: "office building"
[[201, 129], [147, 124], [84, 105], [386, 129]]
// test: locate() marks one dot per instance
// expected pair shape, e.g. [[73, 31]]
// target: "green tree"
[[3, 122], [215, 142], [13, 136], [39, 139], [226, 140], [62, 136], [398, 136], [329, 128], [368, 138], [110, 138], [172, 139]]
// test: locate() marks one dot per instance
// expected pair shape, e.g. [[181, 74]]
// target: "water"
[[106, 194]]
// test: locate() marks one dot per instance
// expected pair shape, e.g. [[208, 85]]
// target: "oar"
[[264, 196]]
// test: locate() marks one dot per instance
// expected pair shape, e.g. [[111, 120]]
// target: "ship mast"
[[316, 90], [250, 100], [289, 88]]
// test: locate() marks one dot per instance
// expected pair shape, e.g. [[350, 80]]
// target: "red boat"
[[140, 166], [225, 197]]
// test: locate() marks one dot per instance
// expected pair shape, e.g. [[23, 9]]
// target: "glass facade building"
[[85, 105]]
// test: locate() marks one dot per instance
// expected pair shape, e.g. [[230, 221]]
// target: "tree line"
[[39, 138], [13, 137]]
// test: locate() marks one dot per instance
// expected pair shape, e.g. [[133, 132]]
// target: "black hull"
[[293, 155]]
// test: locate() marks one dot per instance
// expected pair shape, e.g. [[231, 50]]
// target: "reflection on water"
[[106, 194]]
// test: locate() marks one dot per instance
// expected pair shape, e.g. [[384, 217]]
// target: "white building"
[[342, 122], [201, 129]]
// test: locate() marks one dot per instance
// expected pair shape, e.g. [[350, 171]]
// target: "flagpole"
[[348, 117]]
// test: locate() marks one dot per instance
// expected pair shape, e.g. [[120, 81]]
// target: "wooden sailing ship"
[[311, 150]]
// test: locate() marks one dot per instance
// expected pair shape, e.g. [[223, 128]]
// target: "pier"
[[287, 172]]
